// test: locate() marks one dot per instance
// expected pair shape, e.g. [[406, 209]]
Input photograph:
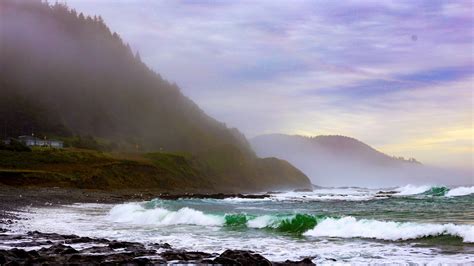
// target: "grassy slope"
[[92, 169], [152, 171]]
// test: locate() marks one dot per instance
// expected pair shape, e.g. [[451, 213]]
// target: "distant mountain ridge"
[[335, 144], [327, 159]]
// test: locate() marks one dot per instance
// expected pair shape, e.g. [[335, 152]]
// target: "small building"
[[34, 141]]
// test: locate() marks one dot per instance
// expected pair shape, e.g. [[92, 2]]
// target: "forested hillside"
[[64, 75]]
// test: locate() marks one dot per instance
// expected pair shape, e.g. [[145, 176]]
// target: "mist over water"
[[342, 161]]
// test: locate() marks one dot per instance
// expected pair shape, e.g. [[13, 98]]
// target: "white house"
[[33, 141]]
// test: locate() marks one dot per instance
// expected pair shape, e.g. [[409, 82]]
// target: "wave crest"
[[460, 191], [350, 227], [427, 190], [306, 224], [136, 214], [412, 190]]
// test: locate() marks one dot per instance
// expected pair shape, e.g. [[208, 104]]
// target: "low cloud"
[[391, 73]]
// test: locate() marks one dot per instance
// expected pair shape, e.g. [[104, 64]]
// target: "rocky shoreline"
[[51, 248]]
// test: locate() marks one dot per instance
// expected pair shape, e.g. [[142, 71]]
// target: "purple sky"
[[397, 75]]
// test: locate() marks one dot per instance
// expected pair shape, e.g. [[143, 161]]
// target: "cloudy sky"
[[397, 75]]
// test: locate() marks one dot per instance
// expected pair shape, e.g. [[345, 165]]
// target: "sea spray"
[[460, 191], [299, 223], [420, 229], [350, 227], [411, 190], [135, 213]]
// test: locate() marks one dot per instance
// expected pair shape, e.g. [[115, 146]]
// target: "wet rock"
[[17, 256], [141, 261], [211, 196], [58, 249], [385, 194], [305, 261], [184, 255], [79, 240], [125, 245], [82, 259], [49, 236], [161, 246], [10, 237], [241, 257], [96, 249], [303, 190], [31, 244], [113, 253]]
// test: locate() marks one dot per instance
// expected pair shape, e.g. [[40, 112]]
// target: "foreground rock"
[[51, 248], [240, 257], [211, 196]]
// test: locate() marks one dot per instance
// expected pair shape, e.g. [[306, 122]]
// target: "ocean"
[[411, 224]]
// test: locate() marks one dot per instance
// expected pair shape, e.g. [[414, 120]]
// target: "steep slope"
[[63, 74], [340, 161]]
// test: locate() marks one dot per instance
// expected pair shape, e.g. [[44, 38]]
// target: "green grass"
[[164, 171], [81, 168]]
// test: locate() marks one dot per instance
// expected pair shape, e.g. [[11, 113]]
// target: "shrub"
[[14, 145]]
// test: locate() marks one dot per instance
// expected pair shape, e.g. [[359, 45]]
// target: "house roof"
[[28, 137], [25, 137]]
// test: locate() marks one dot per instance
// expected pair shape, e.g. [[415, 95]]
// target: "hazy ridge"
[[345, 161]]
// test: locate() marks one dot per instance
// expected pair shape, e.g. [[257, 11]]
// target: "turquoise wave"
[[295, 224], [436, 191]]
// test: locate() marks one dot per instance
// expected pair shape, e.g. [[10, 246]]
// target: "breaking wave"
[[434, 191], [411, 190], [135, 213], [349, 227], [306, 224], [460, 191]]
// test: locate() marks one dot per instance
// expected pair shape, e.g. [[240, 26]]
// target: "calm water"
[[352, 225]]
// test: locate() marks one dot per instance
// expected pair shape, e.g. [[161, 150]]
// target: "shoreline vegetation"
[[174, 173]]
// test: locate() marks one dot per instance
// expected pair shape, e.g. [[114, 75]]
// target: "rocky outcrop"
[[51, 248]]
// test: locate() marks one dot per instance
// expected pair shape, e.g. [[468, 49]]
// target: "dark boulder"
[[241, 257], [58, 249], [305, 261], [178, 255]]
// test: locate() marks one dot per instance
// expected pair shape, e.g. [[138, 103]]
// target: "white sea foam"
[[327, 194], [460, 191], [260, 222], [346, 227], [412, 190], [239, 200], [94, 220], [135, 213], [349, 227]]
